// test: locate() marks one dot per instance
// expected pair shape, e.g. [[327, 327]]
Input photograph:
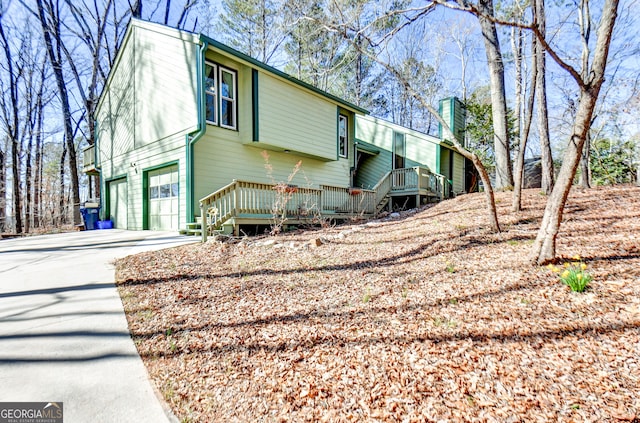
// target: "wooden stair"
[[193, 228], [383, 203]]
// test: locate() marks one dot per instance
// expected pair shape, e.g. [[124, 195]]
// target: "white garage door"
[[163, 199], [118, 203]]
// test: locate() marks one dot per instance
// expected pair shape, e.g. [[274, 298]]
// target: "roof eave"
[[254, 62]]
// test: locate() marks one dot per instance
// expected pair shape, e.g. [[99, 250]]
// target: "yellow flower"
[[579, 276], [583, 266], [566, 265], [565, 274], [576, 257]]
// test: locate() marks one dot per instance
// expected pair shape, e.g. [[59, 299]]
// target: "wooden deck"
[[253, 203]]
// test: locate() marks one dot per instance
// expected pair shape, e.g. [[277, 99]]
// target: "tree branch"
[[464, 6]]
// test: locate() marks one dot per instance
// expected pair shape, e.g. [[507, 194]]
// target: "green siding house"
[[184, 122], [383, 146]]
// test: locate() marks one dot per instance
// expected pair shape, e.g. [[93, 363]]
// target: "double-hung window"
[[221, 93], [343, 144]]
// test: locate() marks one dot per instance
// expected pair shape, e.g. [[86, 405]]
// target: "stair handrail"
[[222, 213], [382, 188]]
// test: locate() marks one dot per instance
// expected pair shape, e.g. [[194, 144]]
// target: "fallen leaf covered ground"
[[426, 317]]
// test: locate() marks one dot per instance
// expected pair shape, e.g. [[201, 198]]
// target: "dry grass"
[[425, 318]]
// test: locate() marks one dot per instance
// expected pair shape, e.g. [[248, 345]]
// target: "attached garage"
[[163, 198], [118, 202]]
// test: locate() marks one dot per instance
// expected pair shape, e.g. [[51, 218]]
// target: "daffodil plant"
[[574, 274]]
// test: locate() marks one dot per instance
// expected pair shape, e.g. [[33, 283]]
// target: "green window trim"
[[107, 193], [255, 102]]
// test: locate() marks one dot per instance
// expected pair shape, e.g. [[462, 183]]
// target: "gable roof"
[[270, 69], [198, 38]]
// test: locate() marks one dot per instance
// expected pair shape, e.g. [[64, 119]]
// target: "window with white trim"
[[221, 93], [211, 92], [227, 99], [343, 144]]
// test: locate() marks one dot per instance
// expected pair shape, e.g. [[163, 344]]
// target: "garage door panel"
[[118, 202], [163, 198]]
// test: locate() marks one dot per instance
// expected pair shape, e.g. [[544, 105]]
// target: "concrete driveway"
[[63, 332]]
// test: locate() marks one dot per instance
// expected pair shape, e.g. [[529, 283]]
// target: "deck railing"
[[382, 189], [282, 201], [347, 200], [88, 158], [419, 179]]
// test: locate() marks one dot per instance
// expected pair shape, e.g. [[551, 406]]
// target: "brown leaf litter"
[[426, 317]]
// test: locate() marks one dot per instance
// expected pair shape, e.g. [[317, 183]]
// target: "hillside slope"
[[424, 318]]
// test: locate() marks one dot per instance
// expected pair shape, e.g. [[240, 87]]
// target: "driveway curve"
[[63, 332]]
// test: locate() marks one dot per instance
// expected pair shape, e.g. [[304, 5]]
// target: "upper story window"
[[343, 145], [211, 92], [227, 98], [221, 93]]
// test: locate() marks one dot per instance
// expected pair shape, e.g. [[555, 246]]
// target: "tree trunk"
[[62, 212], [543, 113], [584, 18], [516, 47], [3, 193], [544, 248], [12, 126], [27, 189], [17, 198], [524, 137], [37, 182], [447, 133], [585, 167], [136, 9], [51, 29], [504, 173]]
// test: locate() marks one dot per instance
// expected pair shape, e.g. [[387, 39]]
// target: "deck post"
[[204, 223]]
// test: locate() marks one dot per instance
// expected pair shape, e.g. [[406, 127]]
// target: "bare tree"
[[314, 52], [502, 146], [253, 27], [541, 93], [484, 11], [11, 119], [589, 81], [61, 215], [526, 127], [464, 39], [48, 13], [517, 47], [37, 177], [136, 9], [3, 190], [88, 26], [410, 16], [584, 21]]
